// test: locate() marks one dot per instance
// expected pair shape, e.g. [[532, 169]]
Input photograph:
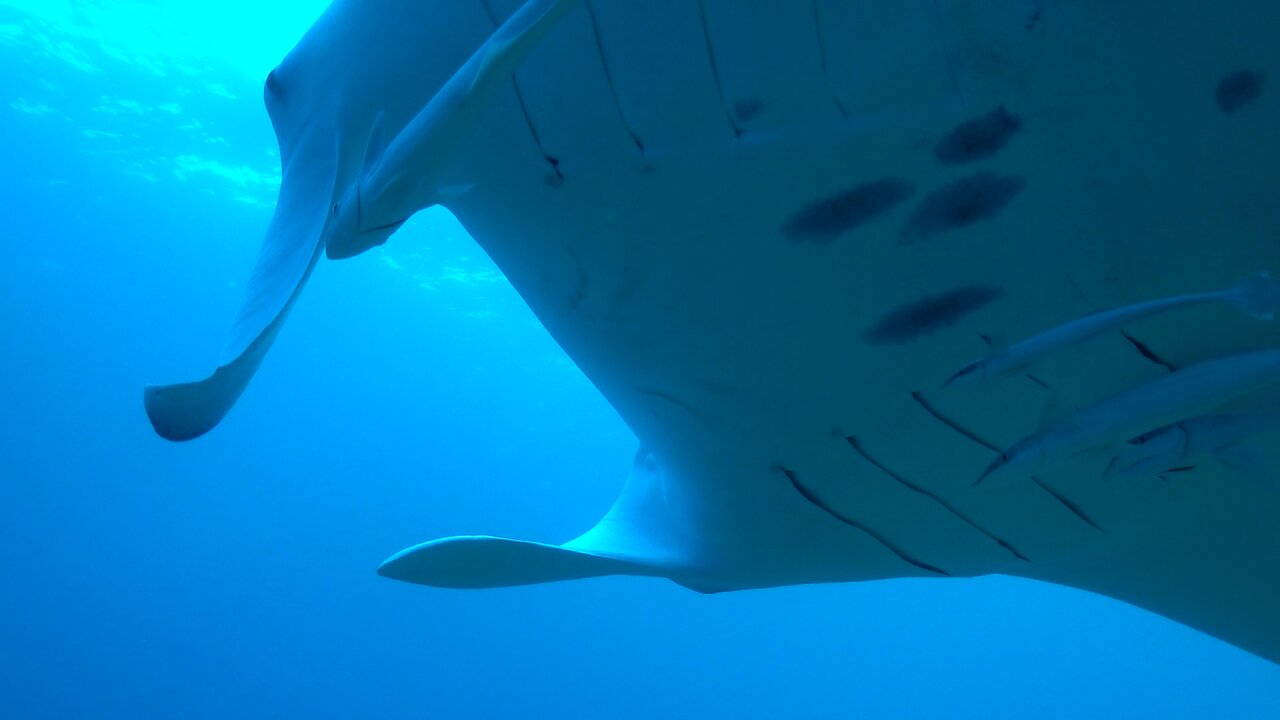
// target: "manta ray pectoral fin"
[[185, 411], [485, 562]]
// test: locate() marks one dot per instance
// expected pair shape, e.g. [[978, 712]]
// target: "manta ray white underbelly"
[[770, 231]]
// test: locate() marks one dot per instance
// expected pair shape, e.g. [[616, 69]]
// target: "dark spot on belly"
[[827, 219], [930, 314], [748, 109], [1239, 89], [961, 203], [979, 138]]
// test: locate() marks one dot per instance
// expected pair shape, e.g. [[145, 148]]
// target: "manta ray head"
[[348, 232]]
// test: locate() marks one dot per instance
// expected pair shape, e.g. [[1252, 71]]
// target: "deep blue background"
[[411, 396]]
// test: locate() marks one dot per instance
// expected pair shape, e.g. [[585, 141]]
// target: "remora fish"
[[1172, 398], [1222, 437], [1258, 295], [401, 177]]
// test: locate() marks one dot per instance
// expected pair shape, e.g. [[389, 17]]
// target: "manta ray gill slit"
[[862, 451], [715, 69], [817, 501], [557, 178]]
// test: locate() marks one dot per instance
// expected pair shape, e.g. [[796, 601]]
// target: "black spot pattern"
[[930, 314], [826, 219], [961, 203], [979, 138], [1239, 89]]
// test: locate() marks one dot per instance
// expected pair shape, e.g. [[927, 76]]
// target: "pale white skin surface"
[[794, 446]]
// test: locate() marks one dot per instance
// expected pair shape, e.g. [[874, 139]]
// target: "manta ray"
[[771, 231]]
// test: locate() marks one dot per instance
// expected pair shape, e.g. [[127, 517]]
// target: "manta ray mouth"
[[385, 229], [388, 228], [364, 241]]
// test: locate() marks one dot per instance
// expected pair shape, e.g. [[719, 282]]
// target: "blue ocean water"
[[412, 396]]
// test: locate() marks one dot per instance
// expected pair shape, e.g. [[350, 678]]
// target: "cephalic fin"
[[184, 411]]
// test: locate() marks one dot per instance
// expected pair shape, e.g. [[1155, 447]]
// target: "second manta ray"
[[1166, 400], [1258, 295]]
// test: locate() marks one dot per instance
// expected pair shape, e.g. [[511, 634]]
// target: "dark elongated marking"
[[827, 219], [1075, 509], [1147, 352], [809, 495], [930, 314], [1238, 90], [608, 77], [993, 448], [978, 138], [960, 429], [557, 179], [858, 448], [715, 68], [822, 54], [961, 203]]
